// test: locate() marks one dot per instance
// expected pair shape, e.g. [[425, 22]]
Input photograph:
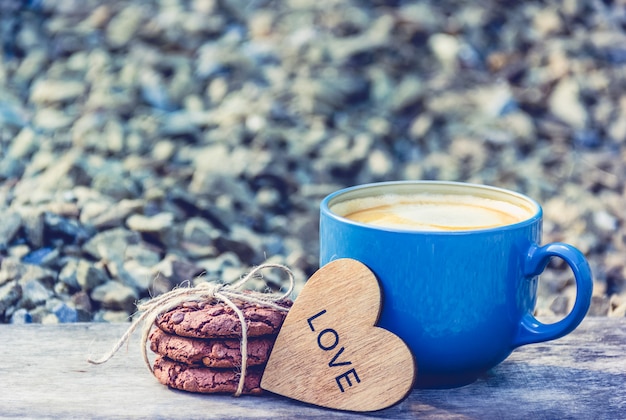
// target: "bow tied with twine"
[[204, 292]]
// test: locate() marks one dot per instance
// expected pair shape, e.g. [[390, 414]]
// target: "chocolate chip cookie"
[[218, 320], [217, 352], [204, 379]]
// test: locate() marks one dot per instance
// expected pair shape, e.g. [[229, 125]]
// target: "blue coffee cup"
[[462, 300]]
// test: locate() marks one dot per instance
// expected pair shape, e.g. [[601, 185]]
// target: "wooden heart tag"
[[329, 351]]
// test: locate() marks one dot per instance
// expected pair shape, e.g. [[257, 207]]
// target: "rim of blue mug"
[[326, 203]]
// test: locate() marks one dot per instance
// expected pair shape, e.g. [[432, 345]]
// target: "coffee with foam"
[[433, 212]]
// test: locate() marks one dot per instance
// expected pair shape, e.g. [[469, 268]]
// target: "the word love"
[[329, 351], [328, 340]]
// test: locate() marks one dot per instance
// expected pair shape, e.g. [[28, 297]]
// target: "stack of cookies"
[[198, 345]]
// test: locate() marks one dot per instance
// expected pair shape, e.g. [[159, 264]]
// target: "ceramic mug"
[[461, 297]]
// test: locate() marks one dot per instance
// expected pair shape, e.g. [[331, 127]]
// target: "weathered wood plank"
[[44, 374]]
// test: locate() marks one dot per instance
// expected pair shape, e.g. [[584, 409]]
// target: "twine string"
[[203, 292]]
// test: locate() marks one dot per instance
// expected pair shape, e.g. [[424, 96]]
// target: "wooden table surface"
[[44, 374]]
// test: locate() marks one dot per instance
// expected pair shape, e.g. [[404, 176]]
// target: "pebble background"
[[145, 142]]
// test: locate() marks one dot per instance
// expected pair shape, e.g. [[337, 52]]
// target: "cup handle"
[[532, 330]]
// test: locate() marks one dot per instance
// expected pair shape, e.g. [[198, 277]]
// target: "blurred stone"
[[115, 295], [34, 293], [33, 223], [547, 21], [49, 319], [21, 316], [115, 183], [135, 277], [56, 90], [45, 257], [599, 306], [9, 294], [164, 150], [446, 48], [172, 271], [103, 214], [65, 229], [156, 223], [124, 25], [111, 244], [215, 266], [67, 274], [51, 119], [82, 303], [65, 313], [408, 92], [135, 274], [88, 276], [560, 305], [10, 223], [24, 144], [111, 316], [379, 163], [604, 221], [617, 306], [566, 105], [143, 255]]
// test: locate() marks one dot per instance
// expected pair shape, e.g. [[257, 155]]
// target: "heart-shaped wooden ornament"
[[329, 351]]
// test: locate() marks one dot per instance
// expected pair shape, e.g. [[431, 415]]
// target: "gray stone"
[[23, 145], [45, 91], [135, 274], [111, 316], [10, 223], [199, 231], [89, 276], [560, 305], [10, 269], [172, 271], [618, 305], [124, 25], [215, 266], [379, 163], [547, 21], [104, 214], [35, 272], [565, 104], [9, 294], [164, 150], [114, 183], [50, 119], [14, 269], [33, 223], [143, 255], [115, 295], [111, 244], [34, 293], [599, 306], [446, 48], [67, 275], [65, 313], [49, 319], [408, 92], [153, 224], [82, 303], [604, 221], [21, 316]]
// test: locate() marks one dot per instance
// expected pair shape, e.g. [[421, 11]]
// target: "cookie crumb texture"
[[218, 353], [204, 379], [218, 320]]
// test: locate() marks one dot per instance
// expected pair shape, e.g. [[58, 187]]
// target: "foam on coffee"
[[432, 212]]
